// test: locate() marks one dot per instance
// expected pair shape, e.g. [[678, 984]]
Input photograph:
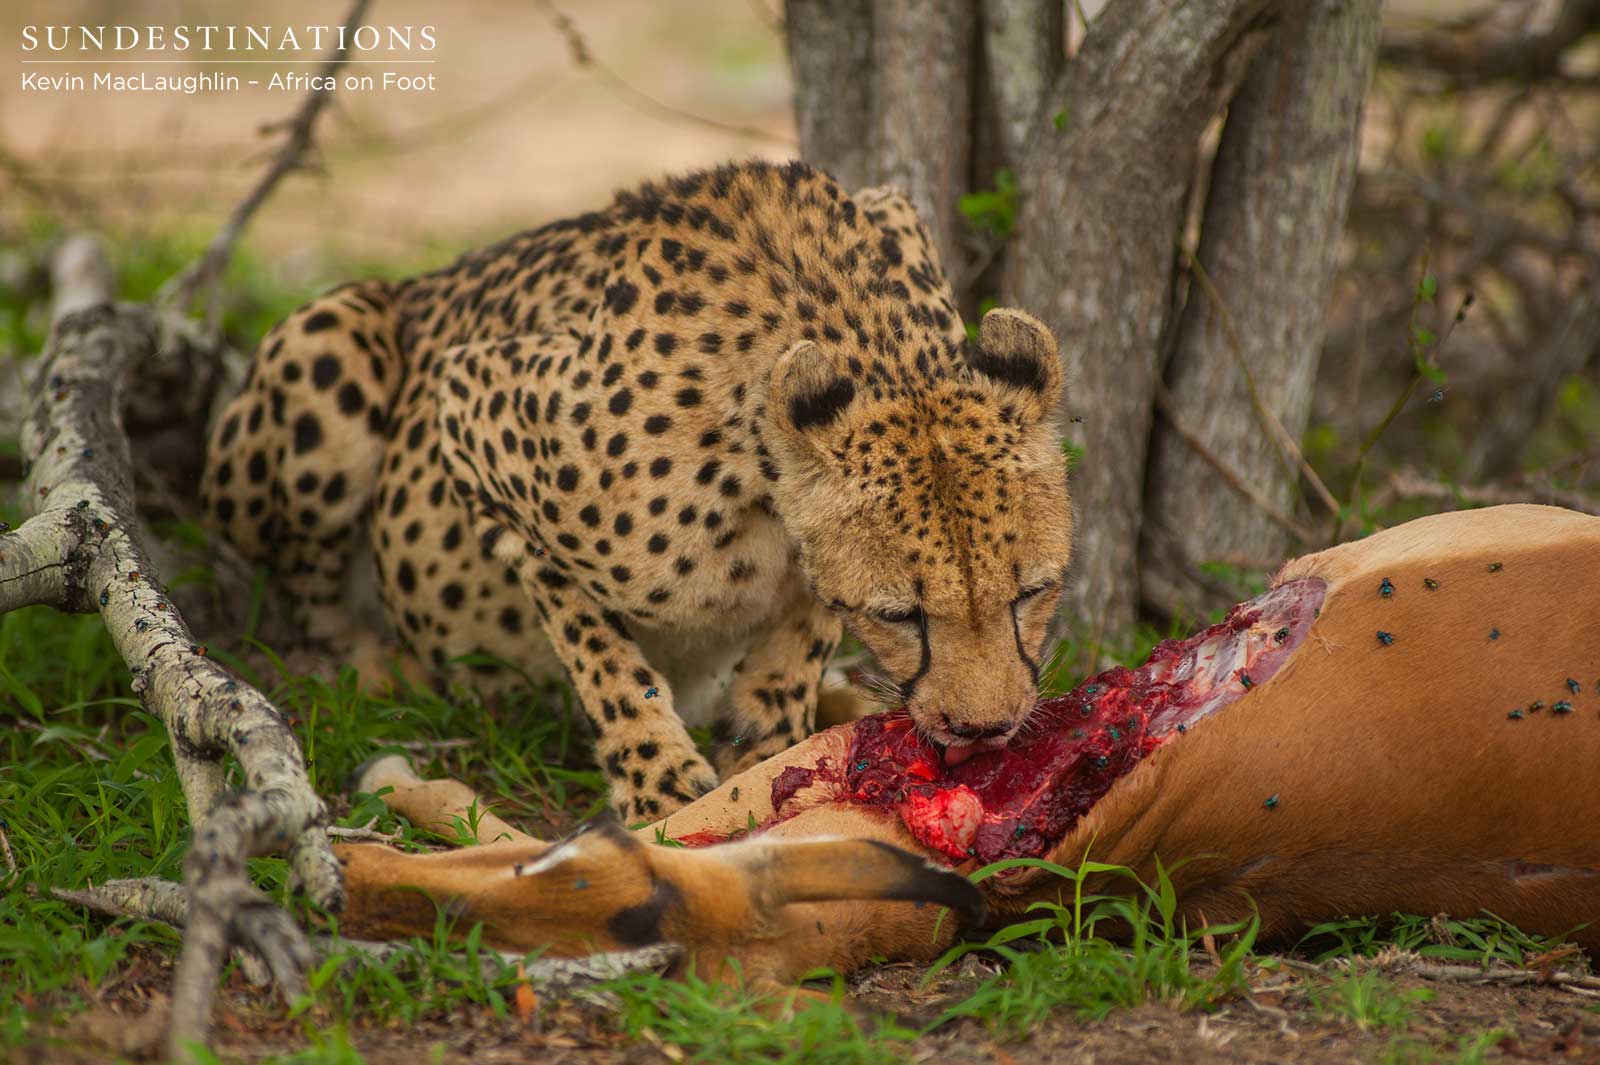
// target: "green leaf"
[[993, 211]]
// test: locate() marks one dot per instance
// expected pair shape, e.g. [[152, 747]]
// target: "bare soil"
[[1278, 1022]]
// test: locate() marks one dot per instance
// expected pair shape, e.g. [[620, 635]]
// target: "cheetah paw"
[[670, 784]]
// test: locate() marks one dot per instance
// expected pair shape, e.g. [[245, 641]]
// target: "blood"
[[1020, 800], [701, 839], [792, 779]]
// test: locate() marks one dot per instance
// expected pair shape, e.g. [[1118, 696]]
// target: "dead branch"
[[1408, 484], [153, 899], [81, 551], [584, 59], [1472, 974], [1472, 54], [1164, 404], [206, 271], [5, 848]]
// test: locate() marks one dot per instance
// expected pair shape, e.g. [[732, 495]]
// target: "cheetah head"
[[935, 522]]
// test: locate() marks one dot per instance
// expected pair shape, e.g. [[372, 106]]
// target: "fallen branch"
[[1472, 974], [5, 848], [1407, 484], [364, 833], [83, 551], [153, 899]]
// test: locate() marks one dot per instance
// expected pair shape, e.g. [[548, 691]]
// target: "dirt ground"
[[1277, 1023]]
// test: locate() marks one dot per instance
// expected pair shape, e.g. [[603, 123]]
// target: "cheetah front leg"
[[773, 699], [650, 762]]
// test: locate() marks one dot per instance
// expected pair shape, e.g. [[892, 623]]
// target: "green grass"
[[1477, 940], [1069, 965], [1468, 1050], [1368, 1000], [90, 794], [431, 979], [724, 1022]]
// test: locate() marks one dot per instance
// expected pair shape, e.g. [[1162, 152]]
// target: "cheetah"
[[671, 450]]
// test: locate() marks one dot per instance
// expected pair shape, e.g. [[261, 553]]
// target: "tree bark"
[[922, 53], [1100, 206], [884, 95], [1024, 44], [1268, 245], [830, 56]]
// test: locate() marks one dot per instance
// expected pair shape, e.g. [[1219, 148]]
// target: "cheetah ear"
[[806, 393], [1016, 352]]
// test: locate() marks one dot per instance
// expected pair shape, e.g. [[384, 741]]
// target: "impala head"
[[934, 521]]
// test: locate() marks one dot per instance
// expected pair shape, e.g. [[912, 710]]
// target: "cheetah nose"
[[974, 732]]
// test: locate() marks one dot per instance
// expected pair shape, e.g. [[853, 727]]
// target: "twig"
[[1168, 409], [206, 271], [1407, 484], [1396, 407], [1286, 443], [1479, 59], [550, 975], [1471, 974], [147, 898], [166, 902], [452, 744], [364, 833], [585, 59]]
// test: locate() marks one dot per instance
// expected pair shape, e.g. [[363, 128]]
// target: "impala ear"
[[806, 393], [1016, 352]]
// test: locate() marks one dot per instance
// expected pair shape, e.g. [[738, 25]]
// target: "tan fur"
[[1401, 782], [666, 450]]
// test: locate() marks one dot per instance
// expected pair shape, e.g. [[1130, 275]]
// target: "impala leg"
[[777, 905], [444, 807]]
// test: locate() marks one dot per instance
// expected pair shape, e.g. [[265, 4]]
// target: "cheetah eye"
[[913, 616], [1034, 592]]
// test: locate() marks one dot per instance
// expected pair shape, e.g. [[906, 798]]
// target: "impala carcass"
[[1409, 722]]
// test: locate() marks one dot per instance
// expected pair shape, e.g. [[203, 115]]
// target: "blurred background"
[[516, 132], [1456, 364]]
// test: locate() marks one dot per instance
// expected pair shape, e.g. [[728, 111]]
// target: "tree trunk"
[[1099, 213], [830, 55], [922, 53], [884, 96], [1268, 246], [1024, 44]]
